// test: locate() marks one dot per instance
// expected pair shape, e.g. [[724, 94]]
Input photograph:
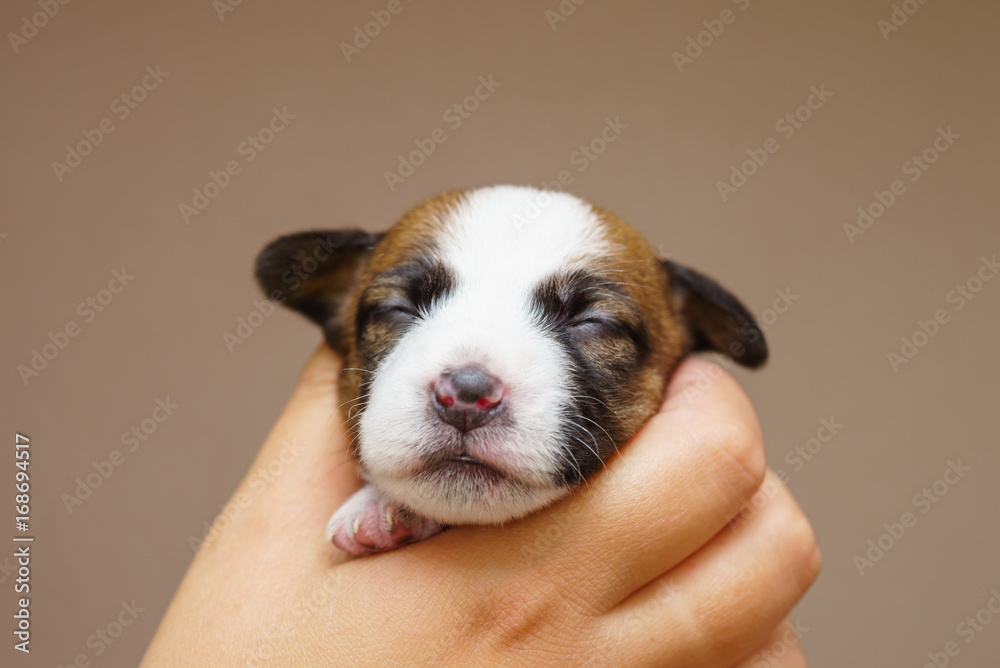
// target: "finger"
[[721, 604], [780, 650], [276, 516], [302, 472], [679, 481], [310, 436]]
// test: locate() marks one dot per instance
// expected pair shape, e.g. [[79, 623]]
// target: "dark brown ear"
[[313, 272], [715, 318]]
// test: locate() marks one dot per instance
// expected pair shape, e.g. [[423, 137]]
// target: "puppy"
[[499, 344]]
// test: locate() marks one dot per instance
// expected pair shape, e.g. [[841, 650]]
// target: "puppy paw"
[[368, 523]]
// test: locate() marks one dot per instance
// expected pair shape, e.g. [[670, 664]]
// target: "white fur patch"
[[488, 319]]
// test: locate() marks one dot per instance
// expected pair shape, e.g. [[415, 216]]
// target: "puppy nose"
[[465, 398]]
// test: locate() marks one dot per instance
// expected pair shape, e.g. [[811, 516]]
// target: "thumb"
[[276, 517], [304, 470]]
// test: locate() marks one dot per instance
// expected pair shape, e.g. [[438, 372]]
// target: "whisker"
[[590, 398], [610, 440], [591, 449], [361, 406], [579, 471], [587, 431], [351, 444], [355, 399]]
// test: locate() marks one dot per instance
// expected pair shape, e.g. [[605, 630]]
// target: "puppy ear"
[[313, 273], [715, 319]]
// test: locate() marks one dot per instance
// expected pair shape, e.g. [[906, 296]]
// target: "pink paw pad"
[[368, 523]]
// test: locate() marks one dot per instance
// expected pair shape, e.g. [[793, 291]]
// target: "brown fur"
[[635, 266], [670, 311], [413, 236]]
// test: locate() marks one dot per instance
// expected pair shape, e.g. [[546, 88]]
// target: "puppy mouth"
[[465, 468], [467, 459]]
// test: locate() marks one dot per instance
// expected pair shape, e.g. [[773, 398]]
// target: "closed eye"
[[400, 308], [598, 324], [398, 311], [588, 307], [592, 319]]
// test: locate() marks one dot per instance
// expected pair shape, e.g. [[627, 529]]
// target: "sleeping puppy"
[[499, 344]]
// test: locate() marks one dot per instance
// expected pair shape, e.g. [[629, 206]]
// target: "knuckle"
[[812, 566], [742, 446], [801, 546], [531, 613], [781, 649]]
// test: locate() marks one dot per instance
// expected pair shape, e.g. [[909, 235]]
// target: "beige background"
[[162, 336]]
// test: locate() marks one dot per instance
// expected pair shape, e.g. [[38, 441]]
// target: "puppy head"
[[492, 361]]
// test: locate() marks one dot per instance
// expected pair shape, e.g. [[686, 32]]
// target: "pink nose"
[[468, 397]]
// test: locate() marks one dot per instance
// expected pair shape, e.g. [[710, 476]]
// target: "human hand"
[[650, 564]]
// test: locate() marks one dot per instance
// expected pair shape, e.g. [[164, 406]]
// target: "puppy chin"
[[465, 494]]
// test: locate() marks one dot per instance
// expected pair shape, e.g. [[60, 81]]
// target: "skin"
[[651, 564]]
